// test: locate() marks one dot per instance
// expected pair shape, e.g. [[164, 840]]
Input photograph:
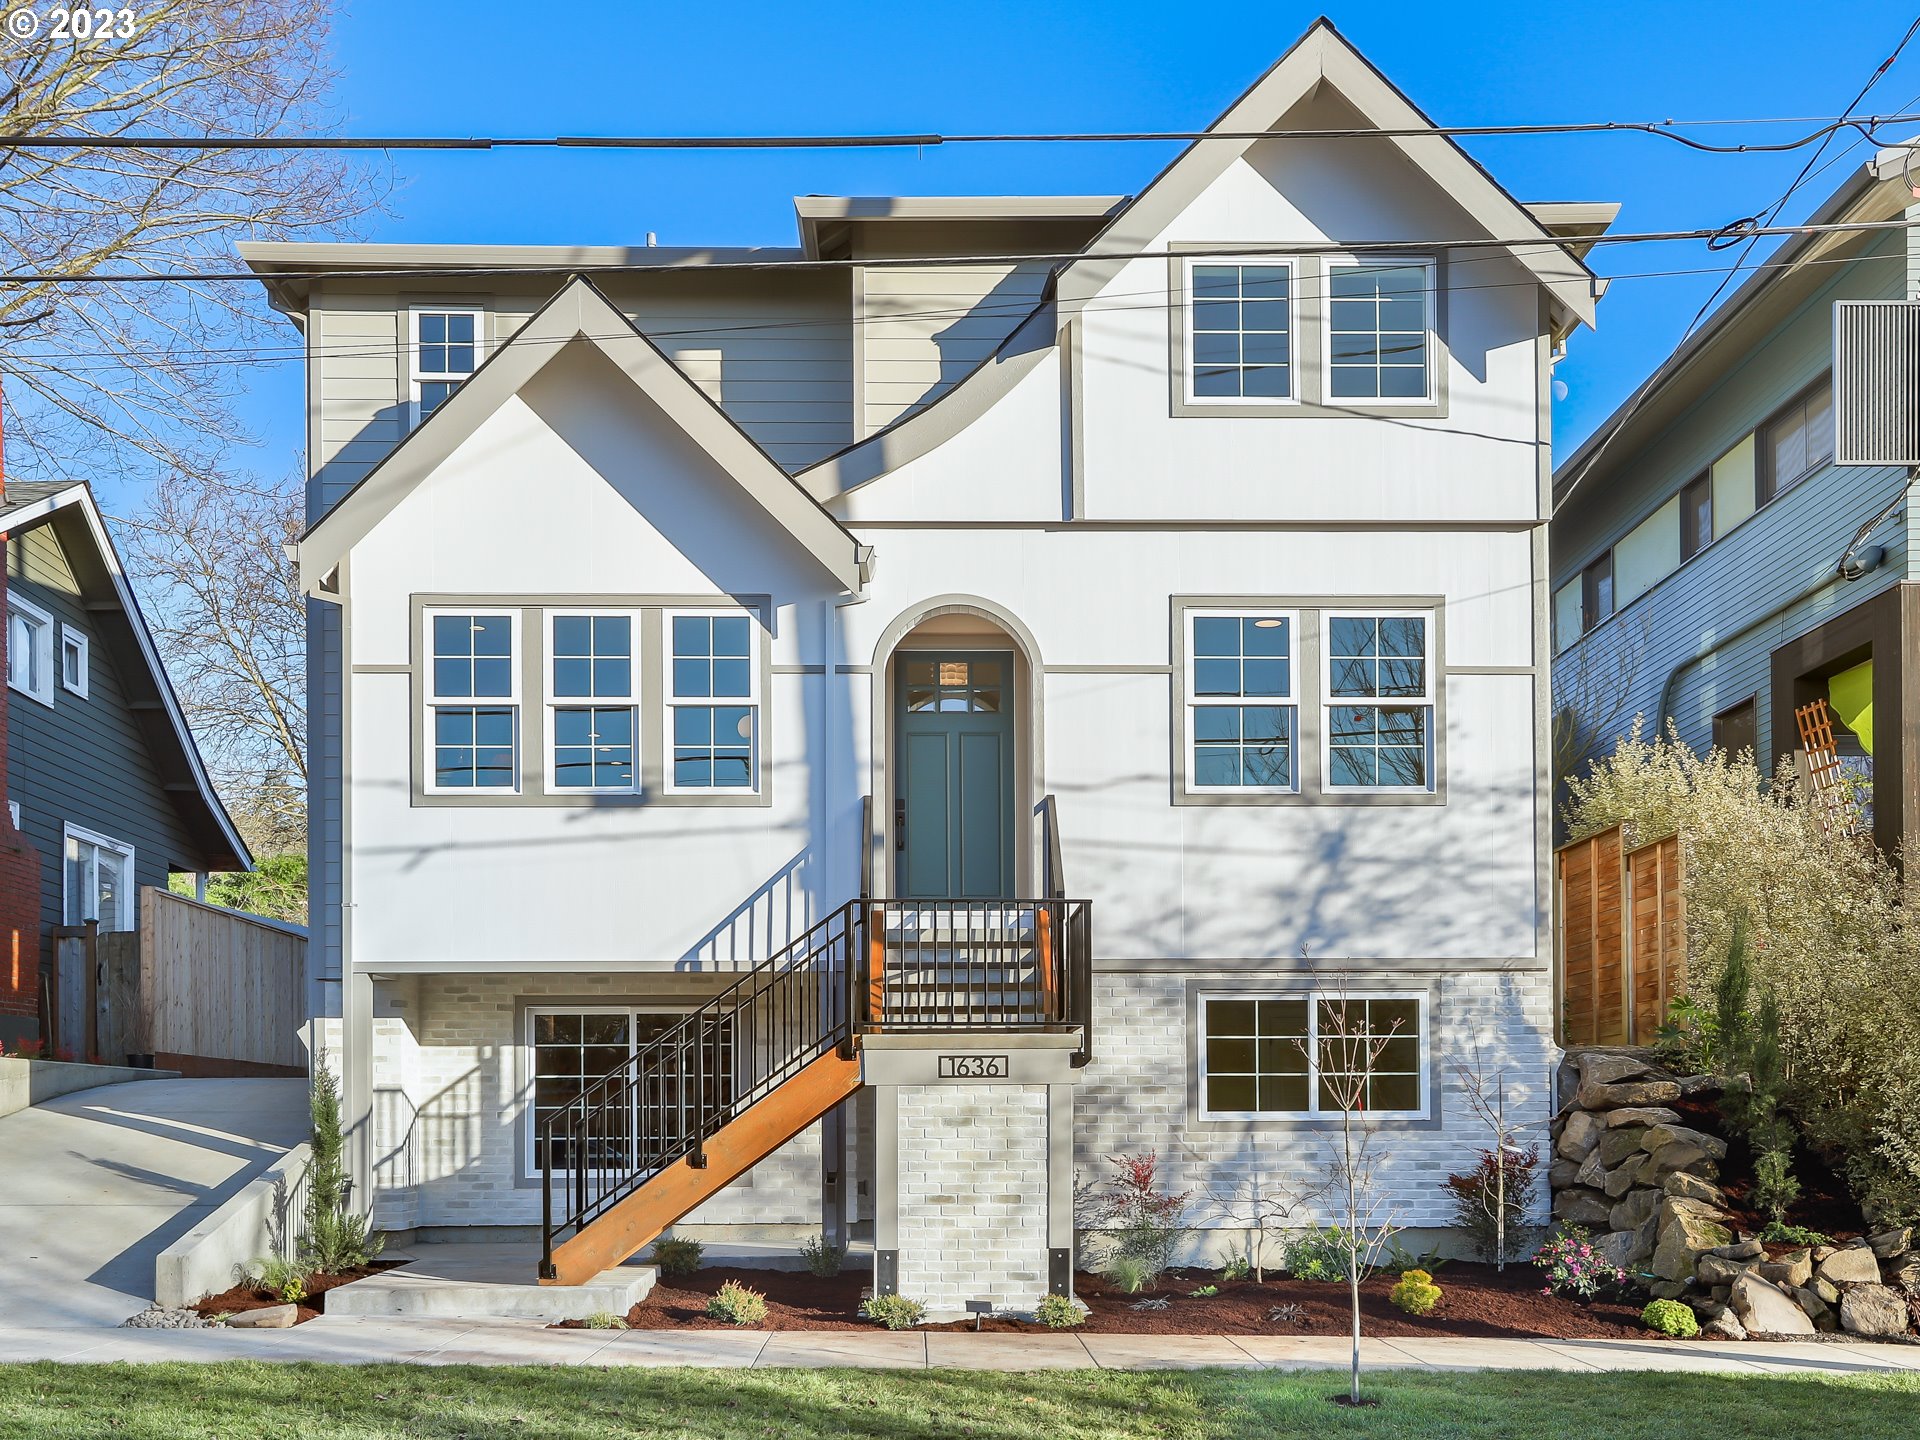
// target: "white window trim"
[[433, 700], [671, 703], [1312, 997], [44, 649], [1328, 700], [73, 641], [529, 1150], [631, 701], [104, 842], [1193, 702], [415, 374], [1292, 266], [1348, 262]]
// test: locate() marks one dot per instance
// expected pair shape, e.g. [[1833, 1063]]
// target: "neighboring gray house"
[[698, 650], [104, 784], [1699, 533]]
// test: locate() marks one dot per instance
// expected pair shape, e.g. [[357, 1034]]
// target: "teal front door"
[[953, 777]]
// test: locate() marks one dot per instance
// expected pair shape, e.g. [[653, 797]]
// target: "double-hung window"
[[1379, 326], [73, 661], [473, 695], [30, 649], [1242, 711], [1795, 441], [592, 702], [98, 880], [1265, 1056], [713, 701], [569, 1048], [1379, 700], [1240, 330], [446, 350]]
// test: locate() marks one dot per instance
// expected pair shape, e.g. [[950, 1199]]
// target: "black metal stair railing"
[[662, 1104]]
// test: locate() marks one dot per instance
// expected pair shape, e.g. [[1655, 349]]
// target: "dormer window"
[[446, 350]]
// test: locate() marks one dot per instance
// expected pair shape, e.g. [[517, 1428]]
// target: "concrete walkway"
[[95, 1184], [353, 1340]]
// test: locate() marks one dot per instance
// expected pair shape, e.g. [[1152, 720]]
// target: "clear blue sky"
[[493, 67]]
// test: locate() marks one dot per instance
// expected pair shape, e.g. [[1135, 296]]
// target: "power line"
[[1664, 129], [1367, 247]]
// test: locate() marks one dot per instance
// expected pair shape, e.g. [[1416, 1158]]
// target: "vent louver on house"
[[1876, 382]]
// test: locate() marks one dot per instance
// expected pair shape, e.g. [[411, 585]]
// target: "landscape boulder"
[[1581, 1207], [270, 1317], [1792, 1270], [1714, 1269], [1634, 1211], [1889, 1243], [1877, 1311], [1685, 1235], [1740, 1249], [1905, 1273], [1616, 1146], [1642, 1115], [1765, 1309], [1581, 1134], [1659, 1137], [1599, 1068], [1854, 1265], [1593, 1096], [1725, 1326]]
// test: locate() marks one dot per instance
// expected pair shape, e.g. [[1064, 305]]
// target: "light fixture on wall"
[[1268, 622]]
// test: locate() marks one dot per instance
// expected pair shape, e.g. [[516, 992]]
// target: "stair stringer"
[[732, 1150]]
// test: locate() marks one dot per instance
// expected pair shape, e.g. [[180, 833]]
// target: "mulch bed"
[[1479, 1302], [1825, 1203], [250, 1297]]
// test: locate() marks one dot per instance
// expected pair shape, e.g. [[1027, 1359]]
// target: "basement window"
[[1269, 1056]]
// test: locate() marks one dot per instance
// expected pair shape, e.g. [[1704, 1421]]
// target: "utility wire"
[[1665, 129], [1088, 256]]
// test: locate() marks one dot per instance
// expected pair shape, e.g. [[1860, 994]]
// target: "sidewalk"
[[356, 1340]]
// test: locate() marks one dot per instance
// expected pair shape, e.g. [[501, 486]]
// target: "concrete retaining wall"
[[258, 1221], [34, 1082]]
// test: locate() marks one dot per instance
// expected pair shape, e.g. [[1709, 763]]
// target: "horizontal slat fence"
[[220, 992], [1622, 938]]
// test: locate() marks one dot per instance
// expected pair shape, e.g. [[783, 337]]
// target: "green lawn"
[[245, 1400]]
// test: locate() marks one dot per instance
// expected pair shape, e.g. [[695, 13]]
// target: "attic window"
[[1240, 331], [1379, 327], [446, 349]]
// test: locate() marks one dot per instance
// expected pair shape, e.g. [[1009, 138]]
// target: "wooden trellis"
[[1827, 791]]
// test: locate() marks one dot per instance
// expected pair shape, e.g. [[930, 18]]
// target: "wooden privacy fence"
[[212, 991], [1622, 936]]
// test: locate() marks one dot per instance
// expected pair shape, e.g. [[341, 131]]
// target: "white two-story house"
[[853, 736]]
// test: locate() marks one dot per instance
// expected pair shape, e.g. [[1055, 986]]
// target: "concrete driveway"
[[95, 1184]]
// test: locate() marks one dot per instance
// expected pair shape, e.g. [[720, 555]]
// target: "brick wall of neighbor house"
[[450, 1092], [1136, 1094], [973, 1195], [19, 887]]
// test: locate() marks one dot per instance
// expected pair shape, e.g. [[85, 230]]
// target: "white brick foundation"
[[973, 1195]]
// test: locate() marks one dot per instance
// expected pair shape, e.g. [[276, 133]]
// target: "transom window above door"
[[956, 686]]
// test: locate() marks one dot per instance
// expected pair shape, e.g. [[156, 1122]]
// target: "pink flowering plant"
[[1575, 1269]]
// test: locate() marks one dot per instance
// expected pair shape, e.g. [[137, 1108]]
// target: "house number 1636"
[[973, 1067]]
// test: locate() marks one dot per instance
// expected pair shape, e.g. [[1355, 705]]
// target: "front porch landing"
[[487, 1280]]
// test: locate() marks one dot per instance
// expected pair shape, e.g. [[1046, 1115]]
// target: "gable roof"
[[1324, 55], [69, 507], [581, 314]]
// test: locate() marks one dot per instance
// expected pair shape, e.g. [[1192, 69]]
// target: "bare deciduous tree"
[[1258, 1203], [1344, 1058], [1486, 1092], [134, 377], [226, 608]]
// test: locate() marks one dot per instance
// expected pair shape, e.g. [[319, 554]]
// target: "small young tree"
[[1140, 1220], [1265, 1208], [1491, 1200], [335, 1239], [1345, 1059]]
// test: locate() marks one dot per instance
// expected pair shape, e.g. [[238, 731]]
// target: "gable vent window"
[[73, 661], [1379, 318], [446, 350], [1241, 331], [473, 701]]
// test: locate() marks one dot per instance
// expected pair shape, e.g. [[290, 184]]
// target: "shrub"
[[335, 1239], [1139, 1219], [1829, 937], [896, 1312], [1779, 1234], [1060, 1312], [823, 1257], [604, 1320], [285, 1278], [1238, 1267], [737, 1305], [1477, 1202], [1574, 1268], [1128, 1274], [1399, 1259], [676, 1258], [1670, 1317], [1319, 1256], [1416, 1293], [1203, 1292]]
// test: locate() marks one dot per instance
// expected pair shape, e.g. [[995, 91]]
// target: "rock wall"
[[1646, 1185]]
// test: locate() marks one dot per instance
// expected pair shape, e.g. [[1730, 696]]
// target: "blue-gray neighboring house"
[[1707, 561]]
